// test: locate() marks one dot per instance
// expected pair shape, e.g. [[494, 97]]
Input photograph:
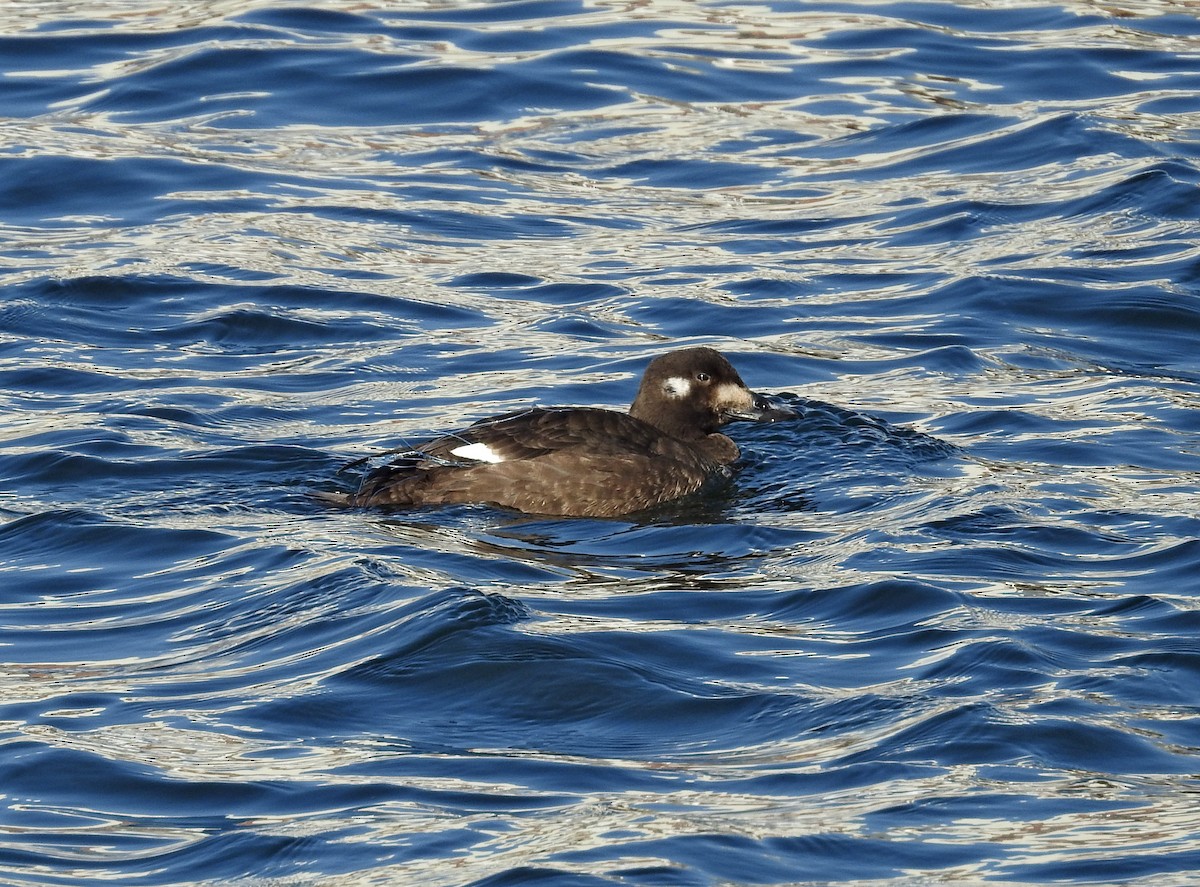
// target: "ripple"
[[941, 626]]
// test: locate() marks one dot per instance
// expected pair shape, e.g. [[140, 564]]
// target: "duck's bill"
[[764, 409]]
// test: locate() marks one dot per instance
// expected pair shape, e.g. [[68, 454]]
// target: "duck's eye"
[[702, 377]]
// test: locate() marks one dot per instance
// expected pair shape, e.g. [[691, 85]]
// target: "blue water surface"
[[944, 627]]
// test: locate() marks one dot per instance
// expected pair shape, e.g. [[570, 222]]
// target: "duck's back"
[[575, 461]]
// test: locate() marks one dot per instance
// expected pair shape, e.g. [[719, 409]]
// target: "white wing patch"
[[477, 452], [677, 386]]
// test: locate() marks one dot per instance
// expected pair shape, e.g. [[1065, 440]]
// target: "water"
[[940, 629]]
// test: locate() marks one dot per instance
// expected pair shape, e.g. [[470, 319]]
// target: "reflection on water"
[[940, 627]]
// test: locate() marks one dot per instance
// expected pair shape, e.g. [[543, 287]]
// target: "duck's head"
[[694, 391]]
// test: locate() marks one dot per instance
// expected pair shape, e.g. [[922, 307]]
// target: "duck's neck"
[[682, 427]]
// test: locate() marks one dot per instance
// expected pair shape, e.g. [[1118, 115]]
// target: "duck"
[[585, 461]]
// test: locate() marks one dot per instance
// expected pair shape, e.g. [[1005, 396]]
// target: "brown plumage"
[[584, 461]]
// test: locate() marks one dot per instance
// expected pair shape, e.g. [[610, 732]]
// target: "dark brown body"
[[583, 461]]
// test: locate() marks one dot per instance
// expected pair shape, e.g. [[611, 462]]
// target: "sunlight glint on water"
[[939, 629]]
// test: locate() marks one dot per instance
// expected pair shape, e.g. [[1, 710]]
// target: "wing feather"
[[531, 434], [549, 461]]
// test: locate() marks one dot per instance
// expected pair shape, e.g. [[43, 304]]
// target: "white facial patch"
[[477, 452], [677, 386], [734, 397]]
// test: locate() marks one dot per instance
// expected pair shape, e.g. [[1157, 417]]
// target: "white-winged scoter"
[[582, 461]]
